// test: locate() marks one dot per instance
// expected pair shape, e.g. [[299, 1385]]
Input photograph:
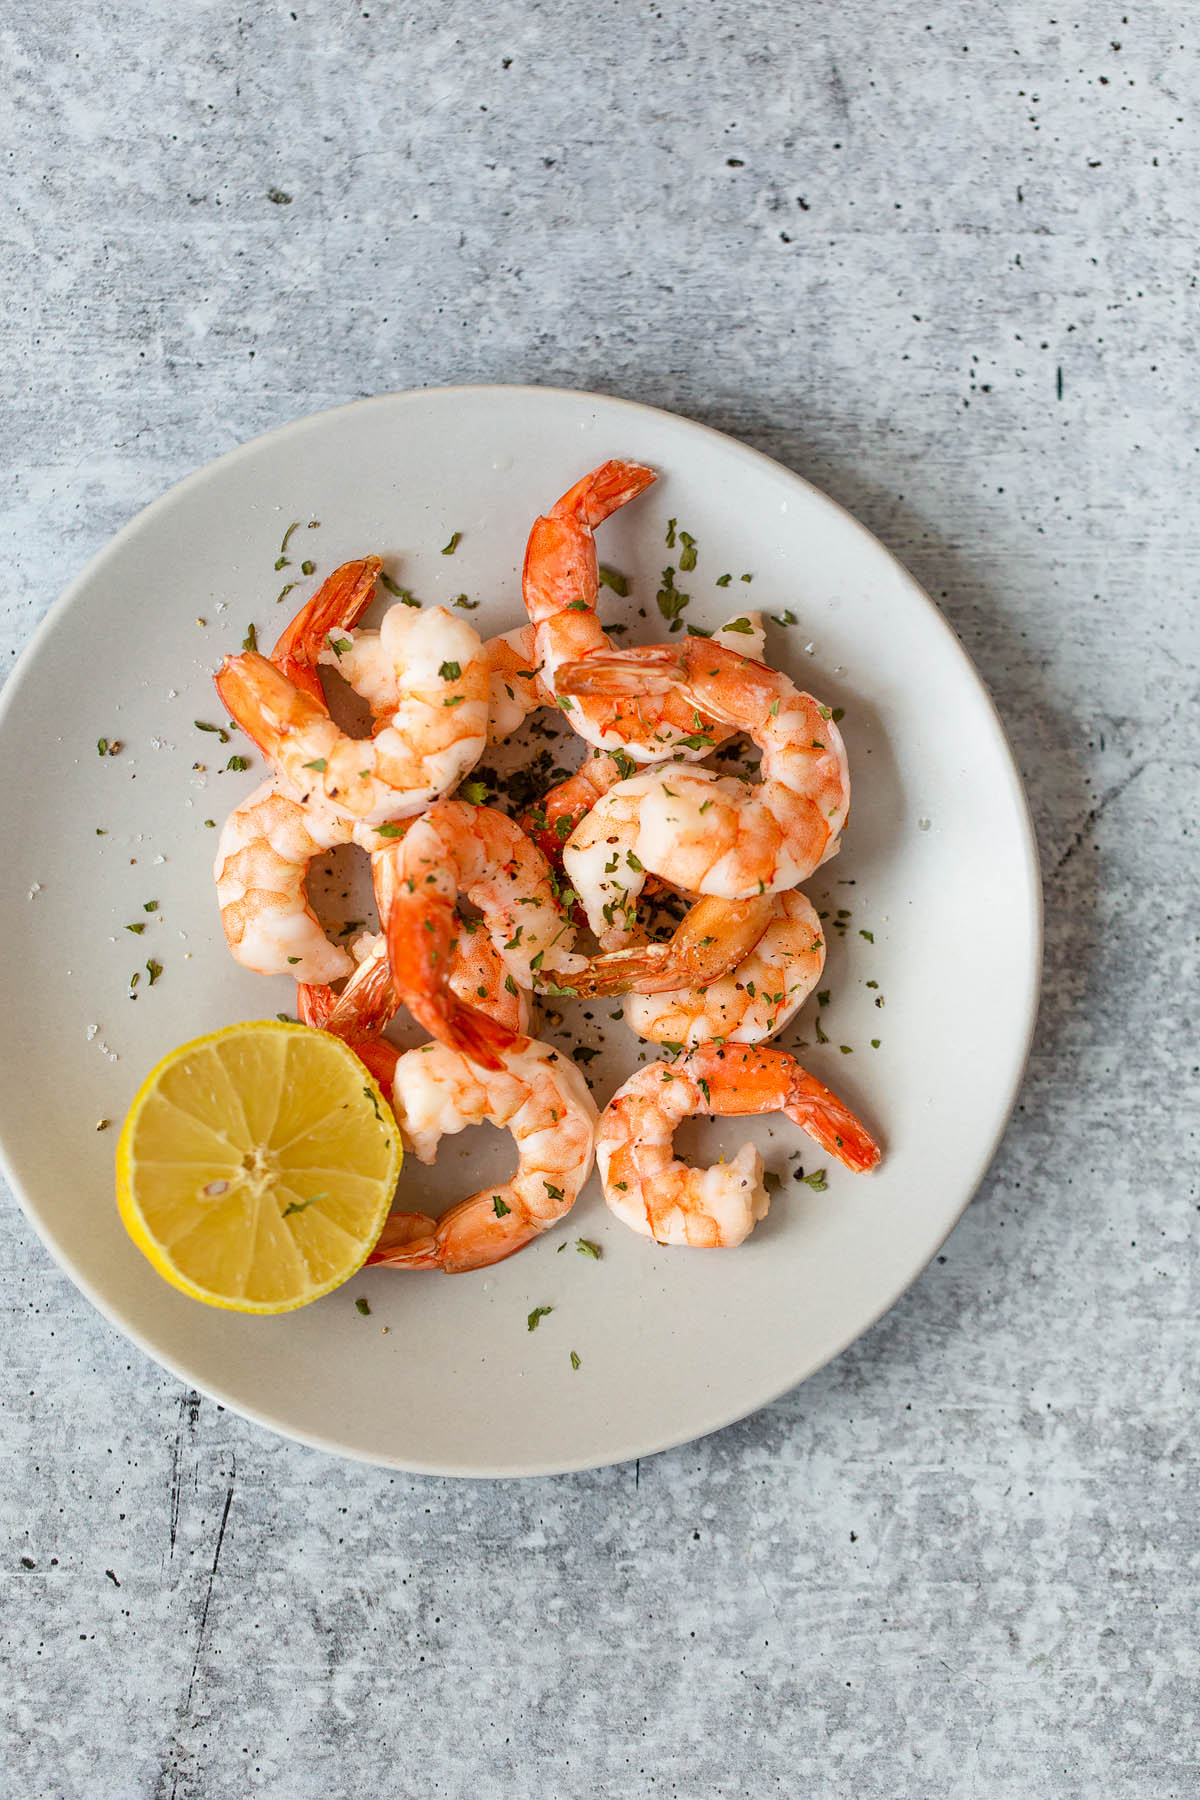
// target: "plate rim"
[[1031, 884]]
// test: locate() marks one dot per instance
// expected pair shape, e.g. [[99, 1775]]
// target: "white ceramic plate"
[[938, 863]]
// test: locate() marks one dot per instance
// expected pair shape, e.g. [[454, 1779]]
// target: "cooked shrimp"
[[551, 822], [716, 1208], [709, 834], [543, 1100], [263, 853], [753, 1002], [267, 842], [473, 850], [561, 584], [425, 676]]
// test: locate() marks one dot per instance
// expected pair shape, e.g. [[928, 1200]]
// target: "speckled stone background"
[[940, 258]]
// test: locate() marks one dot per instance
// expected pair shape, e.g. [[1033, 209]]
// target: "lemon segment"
[[257, 1165]]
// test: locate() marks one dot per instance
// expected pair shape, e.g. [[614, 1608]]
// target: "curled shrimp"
[[711, 834], [541, 1097], [761, 993], [268, 841], [426, 678], [655, 1194], [263, 854], [478, 852], [551, 822], [542, 1100]]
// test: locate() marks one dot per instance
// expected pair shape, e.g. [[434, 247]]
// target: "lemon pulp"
[[256, 1166]]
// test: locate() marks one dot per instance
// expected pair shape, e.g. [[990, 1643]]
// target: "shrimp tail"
[[314, 1003], [642, 969], [338, 604], [317, 1006], [715, 936], [368, 999], [602, 492], [830, 1122], [420, 940], [467, 1236], [646, 669], [266, 703]]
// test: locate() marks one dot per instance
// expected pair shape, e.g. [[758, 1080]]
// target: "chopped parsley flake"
[[869, 935], [154, 970], [398, 593], [612, 578], [671, 601], [307, 568], [742, 626], [816, 1181], [452, 546], [575, 1363], [299, 1205], [724, 580], [450, 671], [218, 729], [585, 1247], [536, 1316], [238, 763], [250, 641], [499, 1207], [363, 1305]]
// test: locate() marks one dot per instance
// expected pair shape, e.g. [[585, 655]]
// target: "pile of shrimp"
[[556, 896]]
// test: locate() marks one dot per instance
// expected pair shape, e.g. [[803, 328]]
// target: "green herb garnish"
[[538, 1313], [299, 1205], [452, 546]]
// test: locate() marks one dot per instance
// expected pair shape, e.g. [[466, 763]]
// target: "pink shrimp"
[[655, 1194]]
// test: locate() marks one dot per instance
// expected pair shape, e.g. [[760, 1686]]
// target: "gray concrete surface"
[[941, 259]]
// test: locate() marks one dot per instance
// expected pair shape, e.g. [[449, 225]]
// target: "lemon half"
[[256, 1166]]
